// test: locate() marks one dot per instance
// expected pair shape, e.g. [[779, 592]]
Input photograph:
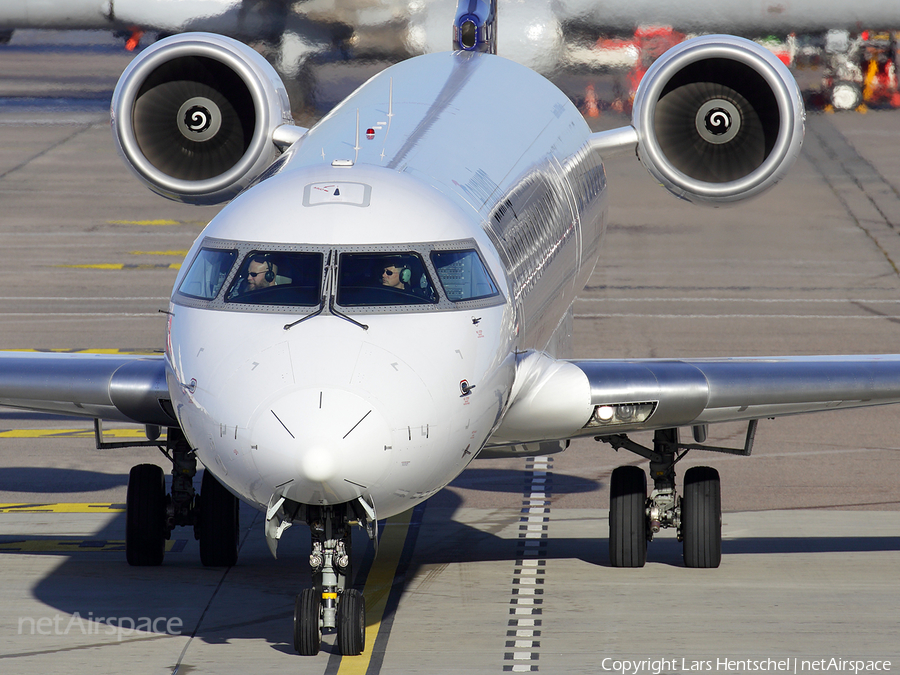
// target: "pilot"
[[396, 275], [261, 273]]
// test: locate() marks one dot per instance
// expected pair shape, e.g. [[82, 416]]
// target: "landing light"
[[612, 414]]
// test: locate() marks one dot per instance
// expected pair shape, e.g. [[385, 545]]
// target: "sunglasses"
[[390, 273], [254, 274]]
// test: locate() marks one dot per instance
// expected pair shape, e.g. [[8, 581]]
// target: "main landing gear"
[[151, 514], [634, 517], [330, 603]]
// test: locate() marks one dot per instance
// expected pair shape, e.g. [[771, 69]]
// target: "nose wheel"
[[351, 623], [308, 622], [330, 604]]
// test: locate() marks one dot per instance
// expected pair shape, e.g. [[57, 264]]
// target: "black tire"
[[701, 517], [218, 524], [627, 517], [351, 623], [307, 632], [145, 516]]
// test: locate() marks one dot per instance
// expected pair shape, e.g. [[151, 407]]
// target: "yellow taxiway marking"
[[157, 223], [62, 508], [378, 588], [125, 266], [73, 433], [178, 253]]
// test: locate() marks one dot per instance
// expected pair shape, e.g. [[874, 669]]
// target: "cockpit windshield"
[[301, 278], [383, 279], [278, 278]]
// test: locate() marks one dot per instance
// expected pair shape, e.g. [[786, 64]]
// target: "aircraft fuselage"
[[368, 394]]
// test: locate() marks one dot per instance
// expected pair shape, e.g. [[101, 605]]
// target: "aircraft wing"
[[566, 399], [122, 388]]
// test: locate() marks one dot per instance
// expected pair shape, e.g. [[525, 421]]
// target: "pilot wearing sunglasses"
[[261, 273], [396, 276]]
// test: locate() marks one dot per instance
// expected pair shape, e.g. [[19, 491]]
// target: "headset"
[[403, 270], [270, 270]]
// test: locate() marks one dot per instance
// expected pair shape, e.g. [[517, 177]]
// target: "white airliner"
[[163, 15], [390, 292]]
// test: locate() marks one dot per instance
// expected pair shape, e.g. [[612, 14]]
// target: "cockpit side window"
[[376, 279], [207, 273], [278, 278], [463, 275]]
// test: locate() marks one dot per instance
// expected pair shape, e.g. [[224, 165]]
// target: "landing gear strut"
[[330, 603], [151, 514], [634, 517]]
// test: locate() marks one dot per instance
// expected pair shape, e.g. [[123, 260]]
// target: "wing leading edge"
[[111, 387], [567, 399]]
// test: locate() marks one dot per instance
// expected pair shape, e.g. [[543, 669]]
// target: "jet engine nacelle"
[[718, 119], [194, 116]]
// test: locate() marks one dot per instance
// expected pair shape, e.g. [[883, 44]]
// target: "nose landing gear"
[[330, 603]]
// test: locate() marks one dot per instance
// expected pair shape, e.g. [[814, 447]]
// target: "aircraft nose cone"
[[321, 445], [318, 464]]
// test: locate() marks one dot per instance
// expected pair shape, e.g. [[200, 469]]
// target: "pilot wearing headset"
[[396, 275], [261, 273]]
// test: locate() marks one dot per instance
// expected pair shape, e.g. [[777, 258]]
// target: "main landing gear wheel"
[[627, 517], [145, 516], [351, 623], [218, 526], [307, 622], [701, 517]]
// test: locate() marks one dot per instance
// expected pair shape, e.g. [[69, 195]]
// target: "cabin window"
[[376, 279], [463, 275], [207, 273], [278, 278]]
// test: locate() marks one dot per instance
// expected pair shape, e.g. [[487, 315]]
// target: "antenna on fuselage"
[[356, 145]]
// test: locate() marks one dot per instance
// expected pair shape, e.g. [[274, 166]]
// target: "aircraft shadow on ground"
[[54, 481], [256, 600], [514, 481]]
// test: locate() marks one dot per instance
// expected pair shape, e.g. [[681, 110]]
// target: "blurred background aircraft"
[[843, 54]]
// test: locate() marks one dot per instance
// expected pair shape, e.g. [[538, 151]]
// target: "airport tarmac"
[[506, 569]]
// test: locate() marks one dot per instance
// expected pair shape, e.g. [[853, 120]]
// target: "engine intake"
[[719, 119], [194, 116]]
